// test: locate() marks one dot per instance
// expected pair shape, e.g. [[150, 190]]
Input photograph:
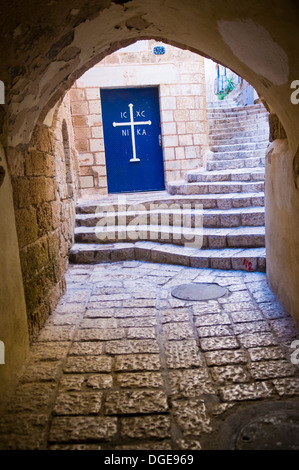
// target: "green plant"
[[228, 89]]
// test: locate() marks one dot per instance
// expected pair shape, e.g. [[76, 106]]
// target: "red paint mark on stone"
[[248, 265]]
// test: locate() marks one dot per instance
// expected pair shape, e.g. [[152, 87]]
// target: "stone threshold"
[[249, 259]]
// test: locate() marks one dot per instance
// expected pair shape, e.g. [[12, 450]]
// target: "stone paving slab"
[[125, 366]]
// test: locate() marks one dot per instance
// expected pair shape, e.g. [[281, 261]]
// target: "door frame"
[[157, 86]]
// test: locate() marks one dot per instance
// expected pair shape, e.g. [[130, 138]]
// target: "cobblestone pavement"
[[121, 364]]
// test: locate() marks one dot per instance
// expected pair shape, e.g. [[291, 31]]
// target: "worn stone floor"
[[123, 365]]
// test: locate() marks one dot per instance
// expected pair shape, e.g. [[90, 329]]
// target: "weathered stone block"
[[140, 380], [225, 342], [182, 354], [271, 369], [79, 107], [21, 189], [190, 382], [88, 364], [100, 381], [145, 427], [34, 397], [212, 319], [191, 416], [100, 334], [82, 428], [42, 189], [240, 392], [137, 362], [78, 403], [287, 386], [257, 339], [177, 331], [27, 226], [88, 348], [230, 373], [132, 402], [141, 333], [41, 372]]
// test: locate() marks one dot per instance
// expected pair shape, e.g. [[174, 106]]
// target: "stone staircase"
[[212, 219]]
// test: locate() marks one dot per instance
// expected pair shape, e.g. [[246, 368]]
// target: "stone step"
[[237, 113], [219, 187], [243, 174], [208, 201], [237, 146], [252, 259], [235, 163], [187, 217], [229, 139], [225, 106], [254, 127], [232, 155], [237, 121], [244, 129], [238, 237], [171, 216], [240, 113], [251, 136], [259, 132], [247, 217]]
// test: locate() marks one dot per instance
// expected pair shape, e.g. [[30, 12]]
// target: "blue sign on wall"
[[159, 50], [132, 136]]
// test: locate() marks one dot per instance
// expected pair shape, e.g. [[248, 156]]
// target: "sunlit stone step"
[[235, 163], [220, 187], [243, 174], [208, 201], [245, 154], [252, 216], [236, 259], [238, 237]]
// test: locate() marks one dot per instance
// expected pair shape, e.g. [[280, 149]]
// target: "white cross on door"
[[132, 124]]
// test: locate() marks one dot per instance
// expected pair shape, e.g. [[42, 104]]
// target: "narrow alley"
[[121, 364]]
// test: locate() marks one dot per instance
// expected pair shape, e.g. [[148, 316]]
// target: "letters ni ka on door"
[[132, 136]]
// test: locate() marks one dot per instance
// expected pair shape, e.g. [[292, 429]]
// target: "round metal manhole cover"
[[199, 291], [270, 432], [264, 426]]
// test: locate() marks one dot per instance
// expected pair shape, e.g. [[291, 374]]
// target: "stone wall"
[[13, 321], [180, 76], [45, 185]]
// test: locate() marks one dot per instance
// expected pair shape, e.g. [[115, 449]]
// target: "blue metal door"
[[132, 136]]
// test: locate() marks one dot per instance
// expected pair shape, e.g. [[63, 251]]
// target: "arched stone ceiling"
[[50, 44]]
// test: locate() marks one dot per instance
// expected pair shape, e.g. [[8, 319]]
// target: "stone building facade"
[[180, 76]]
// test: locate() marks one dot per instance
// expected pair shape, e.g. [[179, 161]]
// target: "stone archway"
[[228, 35]]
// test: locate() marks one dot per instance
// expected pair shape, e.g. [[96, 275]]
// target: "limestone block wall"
[[13, 321], [180, 76], [45, 186]]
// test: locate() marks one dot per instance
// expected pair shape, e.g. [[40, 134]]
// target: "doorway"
[[132, 139]]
